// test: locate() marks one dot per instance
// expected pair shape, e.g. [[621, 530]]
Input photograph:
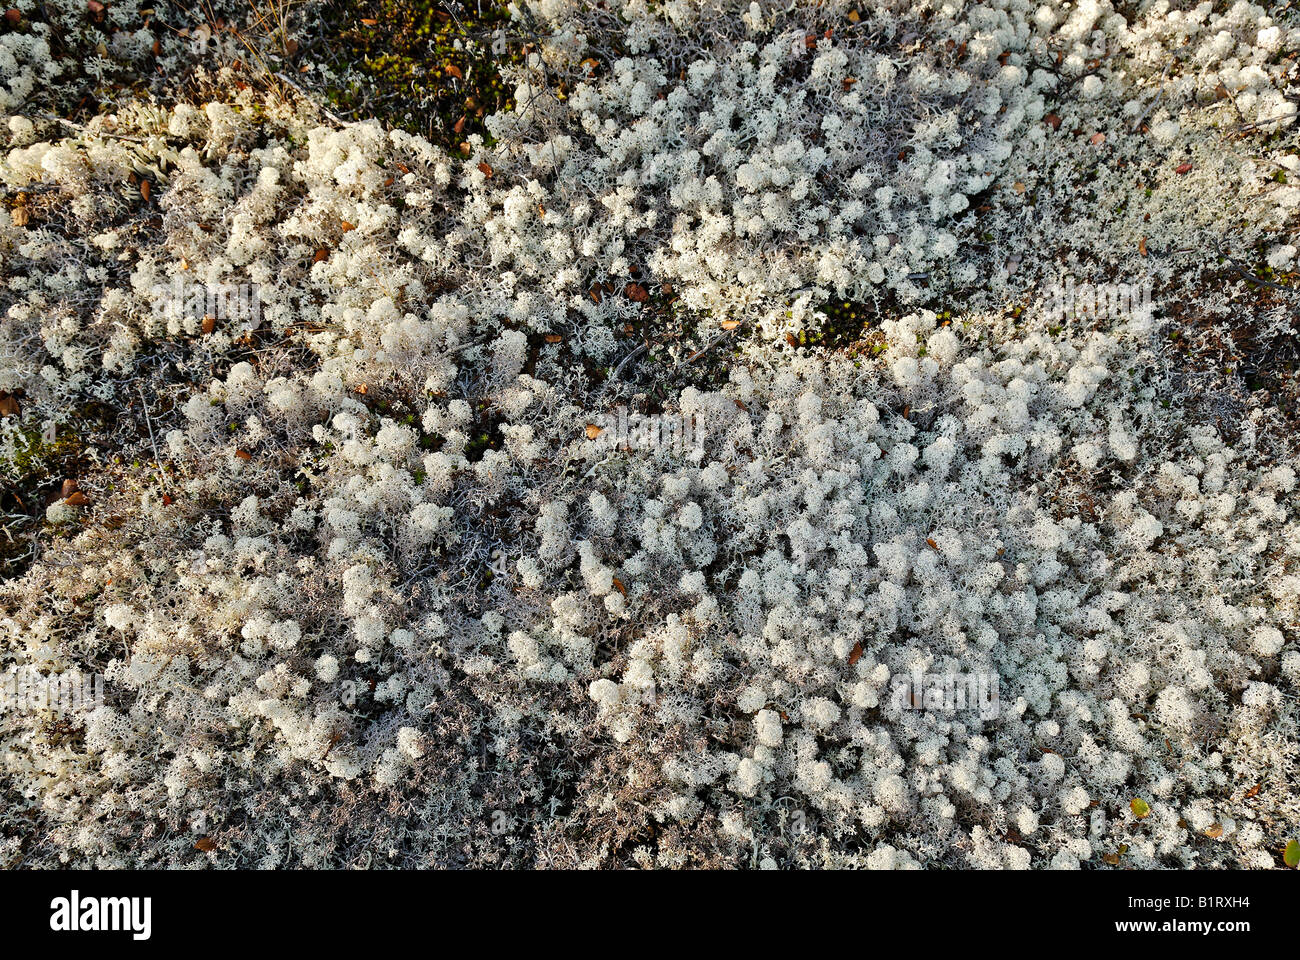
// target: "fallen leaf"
[[13, 15], [1053, 121], [594, 431], [1097, 139], [348, 227], [291, 48], [553, 338], [368, 22], [243, 454], [206, 844], [618, 585], [1291, 855], [637, 293], [9, 406], [68, 489], [459, 126], [209, 324], [486, 170], [167, 500], [1214, 831], [1253, 791], [455, 71], [77, 499], [1141, 809], [1182, 168], [730, 324], [789, 338], [854, 16], [1018, 187], [856, 653], [1112, 859], [929, 542], [144, 190], [320, 254], [1142, 246], [20, 216], [157, 48]]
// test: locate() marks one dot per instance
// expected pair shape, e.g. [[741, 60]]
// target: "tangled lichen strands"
[[530, 491]]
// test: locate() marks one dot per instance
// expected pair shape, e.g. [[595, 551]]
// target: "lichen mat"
[[958, 525]]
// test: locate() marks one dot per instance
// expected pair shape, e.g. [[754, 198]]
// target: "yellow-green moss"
[[421, 68]]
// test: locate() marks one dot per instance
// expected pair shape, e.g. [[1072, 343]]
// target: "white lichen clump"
[[387, 582]]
